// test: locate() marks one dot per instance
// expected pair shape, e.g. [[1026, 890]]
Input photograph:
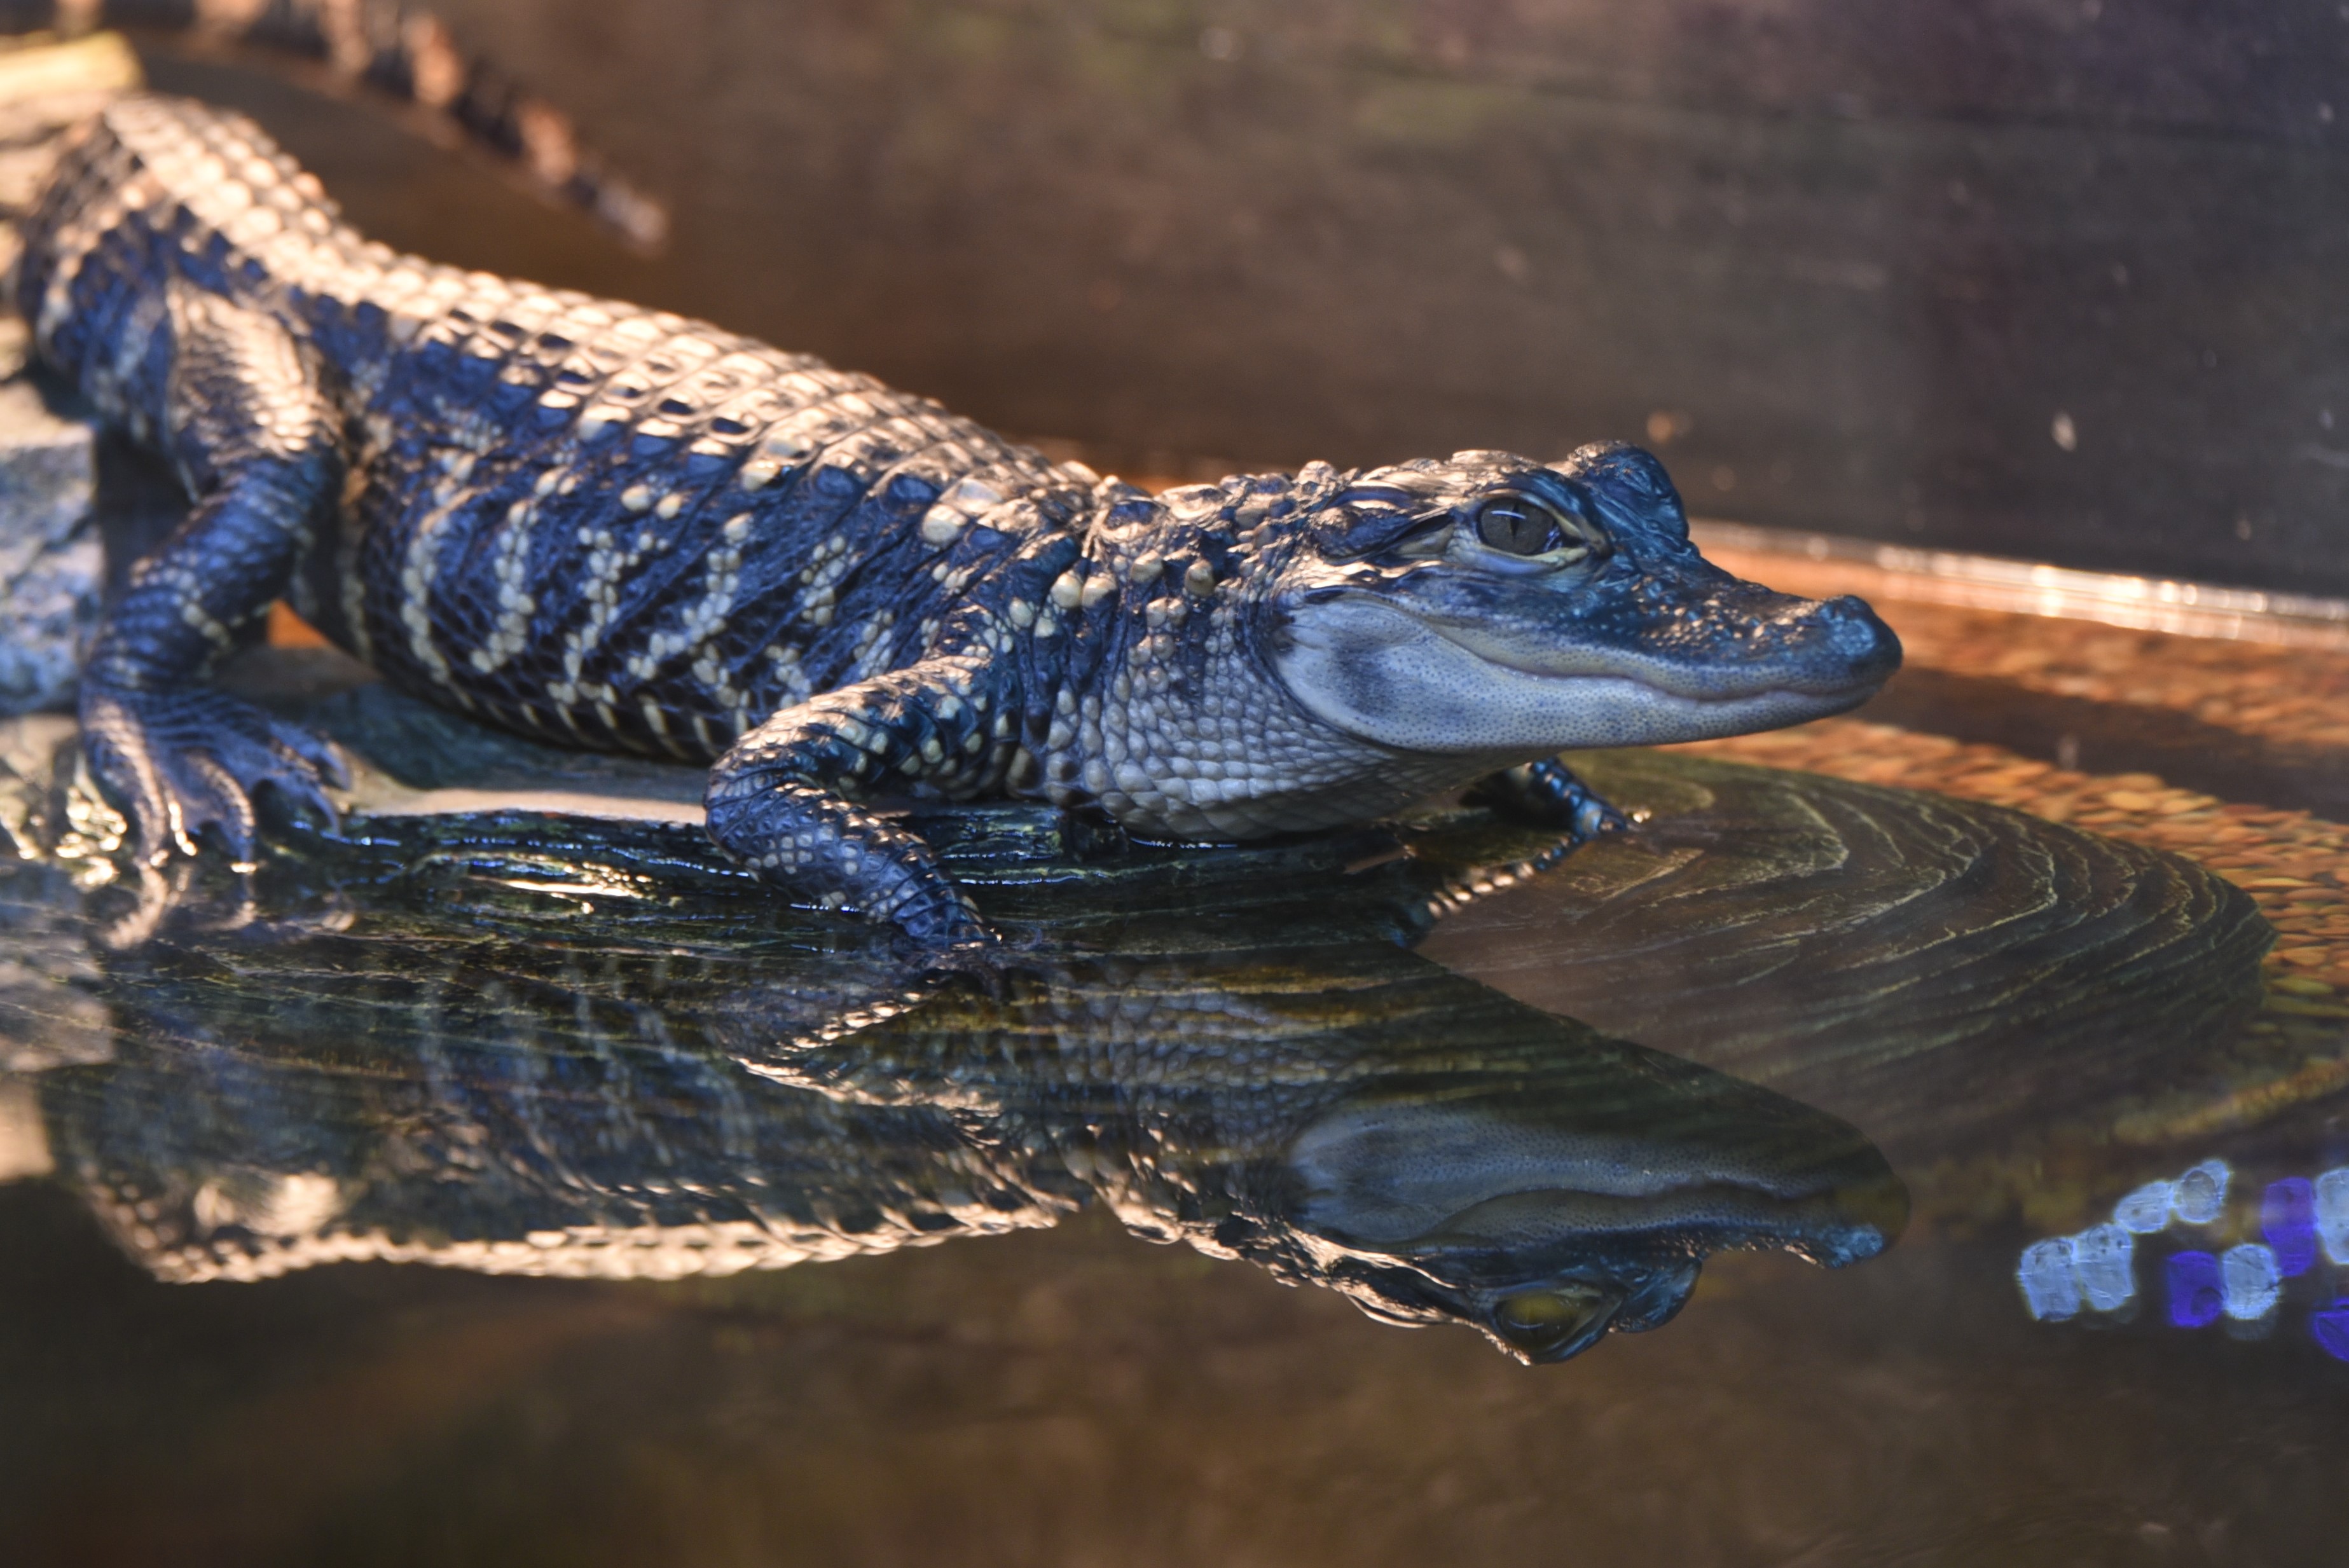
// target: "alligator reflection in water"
[[1432, 1150]]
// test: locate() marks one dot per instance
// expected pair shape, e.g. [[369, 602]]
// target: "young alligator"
[[616, 527]]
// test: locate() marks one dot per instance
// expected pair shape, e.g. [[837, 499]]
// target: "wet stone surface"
[[52, 568]]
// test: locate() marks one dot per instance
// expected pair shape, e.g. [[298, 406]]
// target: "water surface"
[[441, 1190]]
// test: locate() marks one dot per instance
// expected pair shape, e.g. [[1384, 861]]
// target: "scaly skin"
[[619, 529]]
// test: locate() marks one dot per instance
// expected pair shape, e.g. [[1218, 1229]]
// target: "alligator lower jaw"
[[1391, 678], [1662, 718], [1591, 712]]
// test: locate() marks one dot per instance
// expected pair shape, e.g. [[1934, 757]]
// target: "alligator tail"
[[396, 48]]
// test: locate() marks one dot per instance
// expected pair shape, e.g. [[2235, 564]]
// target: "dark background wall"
[[2058, 278]]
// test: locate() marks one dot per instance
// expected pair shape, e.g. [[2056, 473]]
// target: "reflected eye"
[[1557, 1321], [1521, 525]]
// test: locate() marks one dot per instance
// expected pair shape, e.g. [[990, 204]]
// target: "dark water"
[[437, 1193]]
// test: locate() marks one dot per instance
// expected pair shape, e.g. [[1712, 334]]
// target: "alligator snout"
[[1844, 644]]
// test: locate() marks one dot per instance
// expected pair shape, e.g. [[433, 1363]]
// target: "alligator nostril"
[[1856, 633]]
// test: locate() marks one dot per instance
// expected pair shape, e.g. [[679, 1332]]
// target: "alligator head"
[[1551, 1212], [1494, 605]]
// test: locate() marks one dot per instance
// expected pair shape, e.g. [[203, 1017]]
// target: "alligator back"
[[581, 519]]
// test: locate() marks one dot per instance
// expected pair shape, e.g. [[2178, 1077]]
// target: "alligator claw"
[[948, 926], [1547, 794], [1594, 816], [180, 762]]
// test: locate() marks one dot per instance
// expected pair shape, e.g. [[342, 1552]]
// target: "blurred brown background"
[[2056, 278]]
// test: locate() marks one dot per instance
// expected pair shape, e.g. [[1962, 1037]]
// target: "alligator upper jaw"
[[1737, 674]]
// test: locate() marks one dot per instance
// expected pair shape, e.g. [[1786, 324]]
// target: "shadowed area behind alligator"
[[465, 1030]]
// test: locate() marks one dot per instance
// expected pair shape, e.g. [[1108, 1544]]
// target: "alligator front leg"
[[255, 438], [1547, 794], [784, 800]]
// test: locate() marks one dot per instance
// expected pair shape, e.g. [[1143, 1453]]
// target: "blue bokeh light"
[[2147, 1210], [2105, 1258], [2051, 1286], [2202, 1195], [2333, 1213], [2329, 1327], [2197, 1296], [2095, 1270], [2249, 1276], [2288, 1221]]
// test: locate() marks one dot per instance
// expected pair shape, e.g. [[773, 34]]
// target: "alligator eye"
[[1521, 525]]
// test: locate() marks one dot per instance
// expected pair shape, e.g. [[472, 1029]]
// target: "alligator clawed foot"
[[180, 762], [1595, 818], [981, 968], [1547, 794]]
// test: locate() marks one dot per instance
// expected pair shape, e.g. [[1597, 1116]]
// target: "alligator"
[[620, 529]]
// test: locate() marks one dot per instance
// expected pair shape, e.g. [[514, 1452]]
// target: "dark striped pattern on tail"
[[395, 48]]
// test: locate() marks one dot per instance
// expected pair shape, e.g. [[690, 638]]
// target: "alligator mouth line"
[[1479, 642], [1730, 1212], [1585, 663]]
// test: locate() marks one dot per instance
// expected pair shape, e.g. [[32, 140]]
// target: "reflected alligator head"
[[408, 1089], [1376, 1125], [1514, 1212]]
